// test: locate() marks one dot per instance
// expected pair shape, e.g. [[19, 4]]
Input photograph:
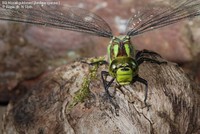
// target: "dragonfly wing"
[[154, 16], [63, 17]]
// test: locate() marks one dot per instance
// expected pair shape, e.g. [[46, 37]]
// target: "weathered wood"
[[174, 100]]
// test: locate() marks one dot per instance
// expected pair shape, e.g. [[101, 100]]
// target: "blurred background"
[[28, 52]]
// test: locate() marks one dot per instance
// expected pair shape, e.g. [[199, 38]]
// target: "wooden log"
[[61, 103]]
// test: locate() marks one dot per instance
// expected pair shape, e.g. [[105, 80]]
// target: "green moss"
[[84, 92]]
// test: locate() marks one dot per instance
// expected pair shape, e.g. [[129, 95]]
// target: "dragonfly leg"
[[142, 59], [106, 84], [141, 53], [106, 87], [143, 81], [100, 62]]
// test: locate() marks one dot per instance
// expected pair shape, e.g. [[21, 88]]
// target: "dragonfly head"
[[123, 69]]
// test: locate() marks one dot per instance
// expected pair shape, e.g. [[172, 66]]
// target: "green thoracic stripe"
[[116, 50], [127, 49]]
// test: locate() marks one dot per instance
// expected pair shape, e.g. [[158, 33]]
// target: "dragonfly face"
[[121, 53], [123, 69]]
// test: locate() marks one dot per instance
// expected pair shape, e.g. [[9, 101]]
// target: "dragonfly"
[[123, 59]]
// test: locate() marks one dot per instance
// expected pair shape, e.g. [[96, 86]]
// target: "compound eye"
[[114, 67], [133, 64]]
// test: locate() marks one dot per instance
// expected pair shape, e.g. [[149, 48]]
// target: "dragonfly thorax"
[[120, 46]]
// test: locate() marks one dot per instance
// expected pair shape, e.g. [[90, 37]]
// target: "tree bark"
[[55, 104]]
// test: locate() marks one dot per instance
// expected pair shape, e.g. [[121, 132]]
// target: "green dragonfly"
[[124, 60]]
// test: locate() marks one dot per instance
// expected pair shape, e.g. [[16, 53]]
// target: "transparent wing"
[[159, 16], [69, 18]]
